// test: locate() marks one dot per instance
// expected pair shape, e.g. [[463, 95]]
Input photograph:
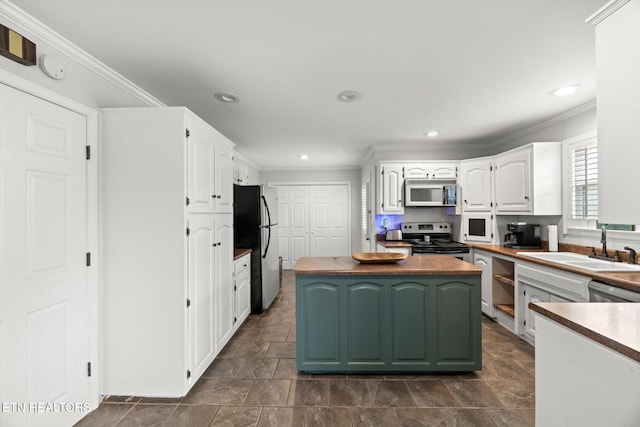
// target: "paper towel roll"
[[552, 230]]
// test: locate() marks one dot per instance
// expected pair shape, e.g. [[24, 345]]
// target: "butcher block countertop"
[[630, 281], [411, 266], [614, 325], [239, 253]]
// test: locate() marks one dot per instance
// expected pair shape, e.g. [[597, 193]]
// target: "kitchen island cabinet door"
[[366, 334], [318, 337], [413, 325], [457, 325]]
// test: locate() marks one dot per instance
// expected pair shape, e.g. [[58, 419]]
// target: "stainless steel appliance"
[[433, 238], [427, 192], [521, 235], [601, 292], [255, 221], [393, 235]]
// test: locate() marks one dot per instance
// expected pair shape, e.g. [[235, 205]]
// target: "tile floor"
[[253, 382]]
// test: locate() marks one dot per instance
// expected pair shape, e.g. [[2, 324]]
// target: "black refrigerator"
[[255, 220]]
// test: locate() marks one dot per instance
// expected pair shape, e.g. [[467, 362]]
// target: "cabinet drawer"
[[566, 285], [241, 265]]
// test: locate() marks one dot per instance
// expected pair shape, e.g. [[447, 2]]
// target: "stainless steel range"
[[433, 238]]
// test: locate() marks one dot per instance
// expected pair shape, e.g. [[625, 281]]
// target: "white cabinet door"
[[513, 181], [44, 310], [200, 305], [242, 289], [444, 171], [223, 188], [532, 294], [390, 193], [484, 261], [417, 171], [476, 180], [200, 164], [223, 250], [618, 100]]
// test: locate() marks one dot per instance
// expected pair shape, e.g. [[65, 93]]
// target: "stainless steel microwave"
[[427, 192]]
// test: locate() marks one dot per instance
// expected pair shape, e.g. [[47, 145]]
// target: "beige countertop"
[[411, 266], [629, 281], [239, 253], [614, 325]]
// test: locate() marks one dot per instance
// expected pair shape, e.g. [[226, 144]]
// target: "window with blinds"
[[584, 183]]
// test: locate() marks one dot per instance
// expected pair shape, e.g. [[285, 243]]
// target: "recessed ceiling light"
[[431, 133], [349, 96], [303, 157], [564, 91], [226, 97]]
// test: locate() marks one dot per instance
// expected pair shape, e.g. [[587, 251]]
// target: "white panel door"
[[299, 214], [284, 226], [477, 191], [513, 182], [44, 346], [201, 308], [329, 219], [223, 246], [200, 158]]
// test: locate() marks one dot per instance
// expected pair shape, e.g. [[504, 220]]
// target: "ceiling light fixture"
[[349, 96], [226, 97], [564, 91], [431, 134], [303, 157]]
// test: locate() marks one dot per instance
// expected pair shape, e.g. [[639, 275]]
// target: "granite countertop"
[[630, 281], [239, 253], [614, 325], [411, 266]]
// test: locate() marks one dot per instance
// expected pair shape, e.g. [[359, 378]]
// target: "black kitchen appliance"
[[433, 238], [521, 235], [255, 227]]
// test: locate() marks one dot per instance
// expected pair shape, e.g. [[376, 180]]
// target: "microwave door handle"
[[444, 194]]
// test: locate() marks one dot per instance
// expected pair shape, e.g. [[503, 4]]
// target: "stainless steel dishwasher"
[[601, 292]]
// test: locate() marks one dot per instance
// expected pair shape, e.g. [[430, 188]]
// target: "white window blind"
[[365, 209], [584, 183]]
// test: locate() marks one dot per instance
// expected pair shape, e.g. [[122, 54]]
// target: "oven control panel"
[[426, 227]]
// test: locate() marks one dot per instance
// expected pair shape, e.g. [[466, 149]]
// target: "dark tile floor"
[[253, 382]]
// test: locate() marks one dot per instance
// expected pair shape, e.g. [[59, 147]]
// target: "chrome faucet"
[[632, 254], [603, 240]]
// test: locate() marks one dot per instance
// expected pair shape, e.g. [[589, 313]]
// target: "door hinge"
[[524, 292], [525, 323], [88, 152], [188, 231], [188, 201], [235, 288], [490, 168], [188, 374], [235, 319], [187, 133], [89, 369], [492, 235], [88, 259], [382, 171], [188, 303]]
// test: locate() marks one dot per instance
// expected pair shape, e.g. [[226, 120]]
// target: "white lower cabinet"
[[543, 284], [483, 260], [384, 249], [242, 287], [224, 293]]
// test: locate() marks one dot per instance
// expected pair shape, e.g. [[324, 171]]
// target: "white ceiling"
[[474, 70]]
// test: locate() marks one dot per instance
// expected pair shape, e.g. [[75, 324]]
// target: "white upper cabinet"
[[476, 182], [430, 170], [223, 186], [200, 168], [617, 28], [390, 189], [528, 180]]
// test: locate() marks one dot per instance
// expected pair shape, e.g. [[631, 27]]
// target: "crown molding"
[[16, 16], [245, 160], [582, 108], [605, 11]]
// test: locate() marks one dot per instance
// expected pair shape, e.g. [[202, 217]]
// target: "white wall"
[[84, 84], [326, 176]]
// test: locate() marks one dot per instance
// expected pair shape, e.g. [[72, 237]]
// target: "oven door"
[[477, 228]]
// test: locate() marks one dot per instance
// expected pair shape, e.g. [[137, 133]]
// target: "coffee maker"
[[521, 235]]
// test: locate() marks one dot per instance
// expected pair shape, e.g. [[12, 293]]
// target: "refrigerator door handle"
[[266, 206], [266, 249]]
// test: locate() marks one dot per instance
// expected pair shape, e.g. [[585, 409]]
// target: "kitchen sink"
[[571, 259]]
